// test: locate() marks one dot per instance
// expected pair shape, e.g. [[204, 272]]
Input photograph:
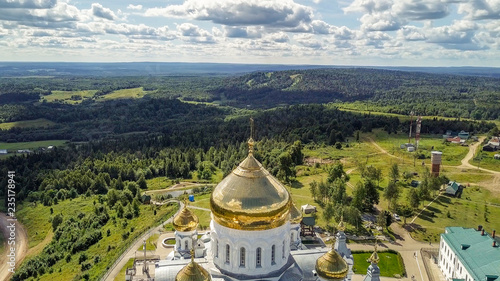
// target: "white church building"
[[254, 235]]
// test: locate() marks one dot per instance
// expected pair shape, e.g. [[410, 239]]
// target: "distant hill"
[[21, 69]]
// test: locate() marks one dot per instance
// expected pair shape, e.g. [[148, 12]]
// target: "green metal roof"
[[481, 259]]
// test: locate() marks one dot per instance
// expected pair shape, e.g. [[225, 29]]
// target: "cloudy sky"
[[337, 32]]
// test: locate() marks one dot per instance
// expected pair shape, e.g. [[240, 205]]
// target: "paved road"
[[132, 249], [21, 245]]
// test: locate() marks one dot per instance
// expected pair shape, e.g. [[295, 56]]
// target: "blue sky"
[[344, 32]]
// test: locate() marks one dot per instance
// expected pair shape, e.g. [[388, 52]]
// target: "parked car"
[[396, 217]]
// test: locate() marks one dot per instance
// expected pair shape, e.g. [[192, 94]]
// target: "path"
[[407, 247], [21, 245], [130, 252]]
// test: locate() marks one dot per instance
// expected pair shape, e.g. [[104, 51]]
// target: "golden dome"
[[250, 198], [332, 266], [295, 215], [185, 220], [374, 257], [193, 272]]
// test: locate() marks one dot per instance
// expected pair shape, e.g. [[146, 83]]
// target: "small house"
[[3, 151], [463, 135], [496, 156], [495, 141], [308, 209], [490, 147], [454, 188], [454, 140]]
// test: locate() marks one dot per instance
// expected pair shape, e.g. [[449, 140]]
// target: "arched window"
[[242, 257], [283, 250], [186, 245], [216, 248], [228, 253], [291, 238], [258, 260], [273, 254]]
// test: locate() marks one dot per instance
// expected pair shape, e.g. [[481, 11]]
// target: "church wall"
[[250, 240]]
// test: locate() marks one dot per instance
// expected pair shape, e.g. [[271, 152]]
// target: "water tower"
[[436, 162]]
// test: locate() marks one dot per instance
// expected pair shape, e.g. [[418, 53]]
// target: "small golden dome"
[[374, 257], [185, 220], [193, 272], [332, 266], [250, 198], [295, 215], [341, 226]]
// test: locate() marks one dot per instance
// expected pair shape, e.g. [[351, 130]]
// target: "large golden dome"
[[193, 272], [295, 215], [185, 220], [250, 198], [332, 266]]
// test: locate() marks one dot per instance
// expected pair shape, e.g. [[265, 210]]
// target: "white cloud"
[[99, 11], [420, 9], [271, 13], [134, 7], [195, 34], [480, 9], [380, 22], [27, 4]]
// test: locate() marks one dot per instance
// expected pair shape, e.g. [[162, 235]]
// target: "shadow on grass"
[[434, 210], [296, 184], [426, 215]]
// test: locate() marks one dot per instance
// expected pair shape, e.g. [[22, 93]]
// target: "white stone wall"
[[295, 234], [250, 241], [450, 265], [183, 239]]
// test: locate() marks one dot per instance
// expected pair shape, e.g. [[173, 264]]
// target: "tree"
[[328, 212], [372, 194], [296, 153], [359, 196], [391, 192], [141, 182], [337, 172], [112, 197], [405, 211], [374, 174], [286, 168], [394, 172], [56, 221], [413, 198], [339, 194], [384, 219]]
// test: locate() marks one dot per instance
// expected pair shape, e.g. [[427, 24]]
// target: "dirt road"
[[21, 245]]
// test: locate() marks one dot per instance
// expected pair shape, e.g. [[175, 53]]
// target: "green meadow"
[[37, 123]]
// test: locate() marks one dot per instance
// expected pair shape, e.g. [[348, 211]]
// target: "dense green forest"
[[377, 90]]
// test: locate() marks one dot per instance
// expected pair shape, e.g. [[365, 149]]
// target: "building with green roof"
[[469, 254]]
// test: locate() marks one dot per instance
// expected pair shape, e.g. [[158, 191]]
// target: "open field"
[[486, 160], [70, 97], [452, 153], [476, 207], [37, 123], [390, 264], [134, 93], [31, 145]]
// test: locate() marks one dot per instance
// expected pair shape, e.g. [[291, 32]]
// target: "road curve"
[[21, 245]]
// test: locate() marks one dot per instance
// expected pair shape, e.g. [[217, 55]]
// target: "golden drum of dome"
[[295, 215], [193, 272], [250, 198], [332, 266], [185, 220]]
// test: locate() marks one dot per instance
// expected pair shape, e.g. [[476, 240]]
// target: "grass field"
[[486, 160], [70, 97], [121, 275], [476, 207], [31, 145], [150, 243], [390, 264], [134, 93], [452, 153], [35, 219], [37, 123]]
